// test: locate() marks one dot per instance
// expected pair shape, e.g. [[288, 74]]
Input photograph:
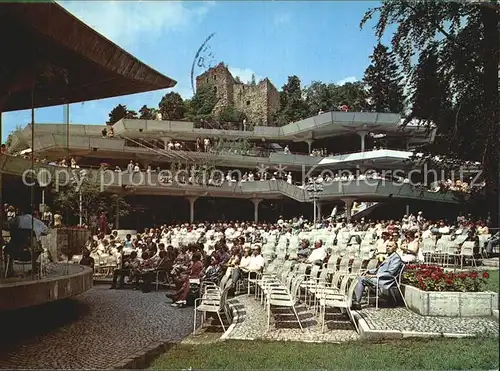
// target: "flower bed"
[[431, 291], [434, 278]]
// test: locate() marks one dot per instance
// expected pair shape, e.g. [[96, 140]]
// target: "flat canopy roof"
[[69, 60], [325, 125]]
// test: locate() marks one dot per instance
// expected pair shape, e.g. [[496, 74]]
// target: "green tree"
[[203, 103], [237, 79], [382, 80], [464, 39], [231, 114], [318, 97], [146, 113], [351, 94], [172, 106], [120, 112], [253, 82], [292, 105], [329, 97], [93, 201]]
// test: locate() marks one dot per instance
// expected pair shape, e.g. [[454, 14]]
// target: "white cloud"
[[282, 18], [245, 74], [128, 22], [346, 80]]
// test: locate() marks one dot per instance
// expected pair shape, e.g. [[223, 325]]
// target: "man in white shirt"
[[256, 261], [318, 255], [248, 264]]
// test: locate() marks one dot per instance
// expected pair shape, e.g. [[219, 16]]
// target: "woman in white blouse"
[[411, 248]]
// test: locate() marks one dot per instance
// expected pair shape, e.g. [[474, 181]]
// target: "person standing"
[[103, 223], [57, 220]]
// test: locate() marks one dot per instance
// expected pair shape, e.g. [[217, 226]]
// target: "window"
[[215, 89], [215, 77], [248, 102]]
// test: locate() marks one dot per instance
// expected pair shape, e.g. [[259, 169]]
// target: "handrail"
[[109, 179]]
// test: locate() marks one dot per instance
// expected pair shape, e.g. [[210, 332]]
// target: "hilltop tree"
[[203, 103], [146, 113], [464, 39], [430, 98], [329, 97], [231, 114], [382, 81], [120, 112], [352, 94], [292, 105], [172, 106], [252, 81]]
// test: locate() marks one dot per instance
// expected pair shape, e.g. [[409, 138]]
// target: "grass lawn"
[[421, 354], [493, 281]]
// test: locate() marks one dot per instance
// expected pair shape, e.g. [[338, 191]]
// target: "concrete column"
[[256, 202], [117, 216], [191, 200], [362, 135], [407, 210], [348, 207], [318, 206], [309, 144]]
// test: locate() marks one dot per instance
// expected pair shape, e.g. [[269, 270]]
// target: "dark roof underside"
[[72, 63]]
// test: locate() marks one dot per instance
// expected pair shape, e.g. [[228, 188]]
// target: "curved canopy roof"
[[69, 60]]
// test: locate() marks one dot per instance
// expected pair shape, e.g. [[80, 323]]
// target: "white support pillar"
[[191, 200], [318, 216], [309, 144], [362, 135], [256, 202], [348, 207], [407, 210]]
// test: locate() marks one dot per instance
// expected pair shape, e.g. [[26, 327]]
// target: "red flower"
[[486, 275], [449, 282], [473, 274]]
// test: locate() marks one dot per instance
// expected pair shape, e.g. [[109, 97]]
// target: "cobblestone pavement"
[[254, 326], [93, 331], [402, 319]]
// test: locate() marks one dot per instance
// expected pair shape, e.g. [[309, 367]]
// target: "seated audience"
[[318, 254], [130, 263], [87, 259], [255, 264], [385, 275], [179, 298]]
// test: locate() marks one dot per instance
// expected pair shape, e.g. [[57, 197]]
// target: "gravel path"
[[93, 331], [402, 319]]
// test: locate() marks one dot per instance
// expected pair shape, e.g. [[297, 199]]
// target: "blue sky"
[[315, 40]]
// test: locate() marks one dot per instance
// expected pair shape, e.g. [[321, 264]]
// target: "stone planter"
[[450, 304]]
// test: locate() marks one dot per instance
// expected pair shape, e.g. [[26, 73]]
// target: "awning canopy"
[[69, 61]]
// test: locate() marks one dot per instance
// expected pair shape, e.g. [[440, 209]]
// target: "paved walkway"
[[94, 331], [402, 319], [253, 323], [284, 326]]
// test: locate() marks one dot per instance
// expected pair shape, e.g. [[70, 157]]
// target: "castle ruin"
[[258, 102]]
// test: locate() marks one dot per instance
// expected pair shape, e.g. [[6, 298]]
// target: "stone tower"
[[259, 102]]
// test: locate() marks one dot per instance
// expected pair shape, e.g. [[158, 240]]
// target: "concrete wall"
[[450, 304], [30, 293]]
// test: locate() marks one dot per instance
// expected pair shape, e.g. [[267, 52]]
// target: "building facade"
[[258, 102]]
